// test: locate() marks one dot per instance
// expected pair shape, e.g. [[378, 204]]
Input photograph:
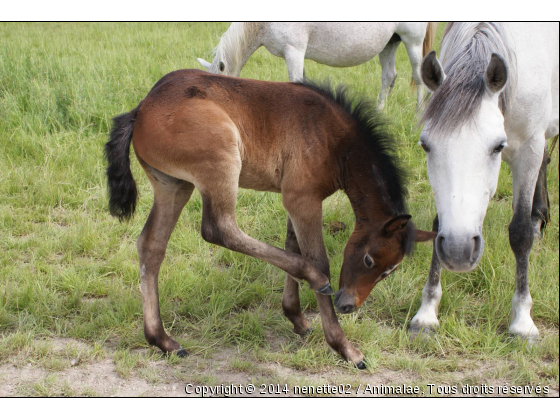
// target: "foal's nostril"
[[337, 297], [347, 309], [344, 303]]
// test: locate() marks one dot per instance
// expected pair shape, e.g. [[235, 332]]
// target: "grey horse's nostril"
[[440, 251], [476, 248]]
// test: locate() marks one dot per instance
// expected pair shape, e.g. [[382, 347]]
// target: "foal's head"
[[371, 254], [370, 174]]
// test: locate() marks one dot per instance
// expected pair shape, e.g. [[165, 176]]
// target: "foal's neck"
[[365, 186]]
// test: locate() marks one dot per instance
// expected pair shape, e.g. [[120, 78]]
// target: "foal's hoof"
[[361, 365], [181, 353], [335, 227], [305, 333], [326, 290]]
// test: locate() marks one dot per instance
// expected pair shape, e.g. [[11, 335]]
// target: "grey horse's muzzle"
[[459, 253]]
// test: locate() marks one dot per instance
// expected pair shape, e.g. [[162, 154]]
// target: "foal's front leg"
[[219, 226], [306, 215]]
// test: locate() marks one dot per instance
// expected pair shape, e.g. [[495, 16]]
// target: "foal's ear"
[[431, 71], [424, 235], [496, 75], [204, 63], [397, 223]]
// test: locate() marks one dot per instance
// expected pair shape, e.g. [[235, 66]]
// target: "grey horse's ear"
[[496, 74], [204, 63], [431, 71]]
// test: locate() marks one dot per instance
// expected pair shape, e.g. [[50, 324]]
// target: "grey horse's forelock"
[[466, 50]]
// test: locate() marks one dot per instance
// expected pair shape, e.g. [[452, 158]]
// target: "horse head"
[[463, 137], [371, 254]]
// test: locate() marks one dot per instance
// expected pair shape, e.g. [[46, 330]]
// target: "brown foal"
[[217, 134]]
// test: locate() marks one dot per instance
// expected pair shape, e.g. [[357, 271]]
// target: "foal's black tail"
[[122, 188]]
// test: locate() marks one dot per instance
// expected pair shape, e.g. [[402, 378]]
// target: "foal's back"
[[272, 133]]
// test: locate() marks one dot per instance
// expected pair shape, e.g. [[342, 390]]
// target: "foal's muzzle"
[[459, 254], [344, 303]]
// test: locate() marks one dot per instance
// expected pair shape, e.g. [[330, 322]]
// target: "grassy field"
[[70, 306]]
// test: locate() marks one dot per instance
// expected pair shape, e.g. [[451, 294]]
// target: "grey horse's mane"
[[234, 40], [466, 49]]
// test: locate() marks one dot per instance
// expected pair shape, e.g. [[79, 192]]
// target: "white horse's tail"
[[430, 38]]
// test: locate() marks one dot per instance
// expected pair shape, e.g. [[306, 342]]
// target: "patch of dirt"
[[159, 378]]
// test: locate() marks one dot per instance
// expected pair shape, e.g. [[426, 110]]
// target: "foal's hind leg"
[[541, 204], [290, 299], [170, 196]]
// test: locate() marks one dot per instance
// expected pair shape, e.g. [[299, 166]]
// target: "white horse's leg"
[[525, 167], [426, 319], [414, 49], [388, 71], [541, 203], [294, 60]]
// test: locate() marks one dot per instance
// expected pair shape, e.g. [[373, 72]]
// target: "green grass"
[[69, 270]]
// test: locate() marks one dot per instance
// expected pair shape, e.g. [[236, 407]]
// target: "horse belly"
[[259, 179], [336, 44], [347, 44]]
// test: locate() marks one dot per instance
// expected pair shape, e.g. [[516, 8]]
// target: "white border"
[[192, 10]]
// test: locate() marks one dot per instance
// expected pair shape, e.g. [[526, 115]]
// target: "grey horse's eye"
[[424, 146], [500, 147], [368, 261], [222, 66]]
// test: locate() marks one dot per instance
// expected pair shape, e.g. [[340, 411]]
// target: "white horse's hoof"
[[528, 331], [425, 325], [521, 323]]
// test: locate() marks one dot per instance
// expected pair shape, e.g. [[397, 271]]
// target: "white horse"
[[336, 44], [495, 95]]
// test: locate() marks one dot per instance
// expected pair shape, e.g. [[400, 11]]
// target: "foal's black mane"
[[375, 136]]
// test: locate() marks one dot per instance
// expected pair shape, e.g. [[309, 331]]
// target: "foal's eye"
[[500, 147], [368, 261], [424, 146], [222, 66]]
